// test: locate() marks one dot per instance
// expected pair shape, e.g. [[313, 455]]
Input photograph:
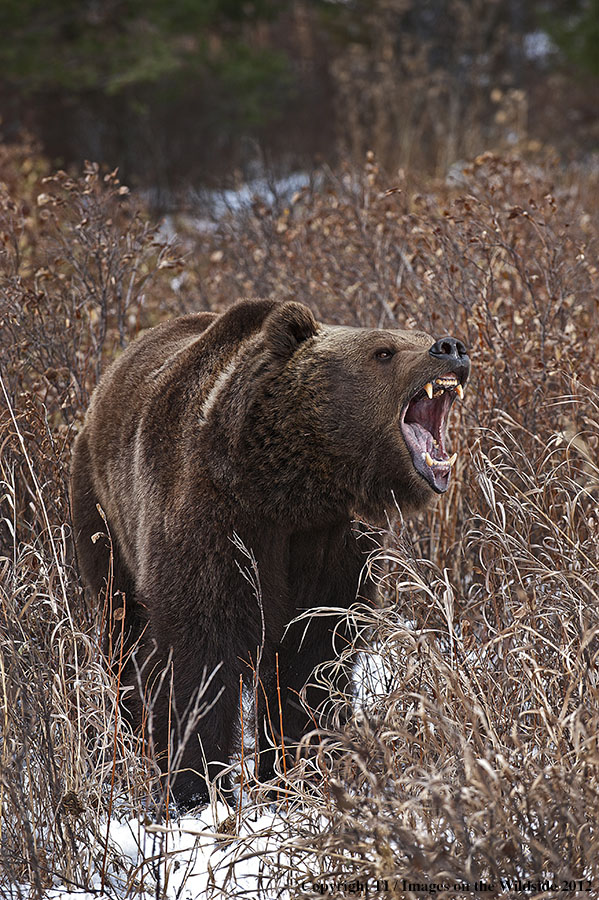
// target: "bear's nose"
[[449, 349]]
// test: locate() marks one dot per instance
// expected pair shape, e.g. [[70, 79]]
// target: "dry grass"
[[473, 751], [77, 261]]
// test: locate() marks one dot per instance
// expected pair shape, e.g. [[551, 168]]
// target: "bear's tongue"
[[423, 428]]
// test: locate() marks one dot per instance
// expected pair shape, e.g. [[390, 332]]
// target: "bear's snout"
[[453, 352]]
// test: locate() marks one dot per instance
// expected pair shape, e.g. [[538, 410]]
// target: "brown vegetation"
[[474, 753]]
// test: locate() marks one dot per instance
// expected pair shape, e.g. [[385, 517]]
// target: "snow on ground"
[[216, 204], [190, 858], [197, 856]]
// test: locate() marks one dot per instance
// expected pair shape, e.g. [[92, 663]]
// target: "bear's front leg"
[[192, 710], [325, 572]]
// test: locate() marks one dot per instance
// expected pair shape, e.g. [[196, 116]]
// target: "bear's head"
[[346, 419]]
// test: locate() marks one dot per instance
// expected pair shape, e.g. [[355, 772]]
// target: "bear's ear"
[[288, 326]]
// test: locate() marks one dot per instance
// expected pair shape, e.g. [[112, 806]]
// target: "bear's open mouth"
[[423, 426]]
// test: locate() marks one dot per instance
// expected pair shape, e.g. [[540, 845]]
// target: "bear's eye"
[[384, 354]]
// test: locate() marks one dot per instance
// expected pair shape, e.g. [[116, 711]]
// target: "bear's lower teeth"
[[440, 462]]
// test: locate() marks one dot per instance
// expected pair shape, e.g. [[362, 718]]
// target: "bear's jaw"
[[423, 423]]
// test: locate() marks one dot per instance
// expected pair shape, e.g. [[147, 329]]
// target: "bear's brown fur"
[[263, 424]]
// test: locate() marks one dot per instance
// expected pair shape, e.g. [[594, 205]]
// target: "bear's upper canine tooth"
[[428, 459], [429, 390], [452, 459], [459, 391]]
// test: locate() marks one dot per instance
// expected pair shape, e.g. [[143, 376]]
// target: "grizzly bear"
[[262, 429]]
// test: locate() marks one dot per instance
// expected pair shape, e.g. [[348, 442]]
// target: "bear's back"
[[152, 353], [146, 412], [169, 364]]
